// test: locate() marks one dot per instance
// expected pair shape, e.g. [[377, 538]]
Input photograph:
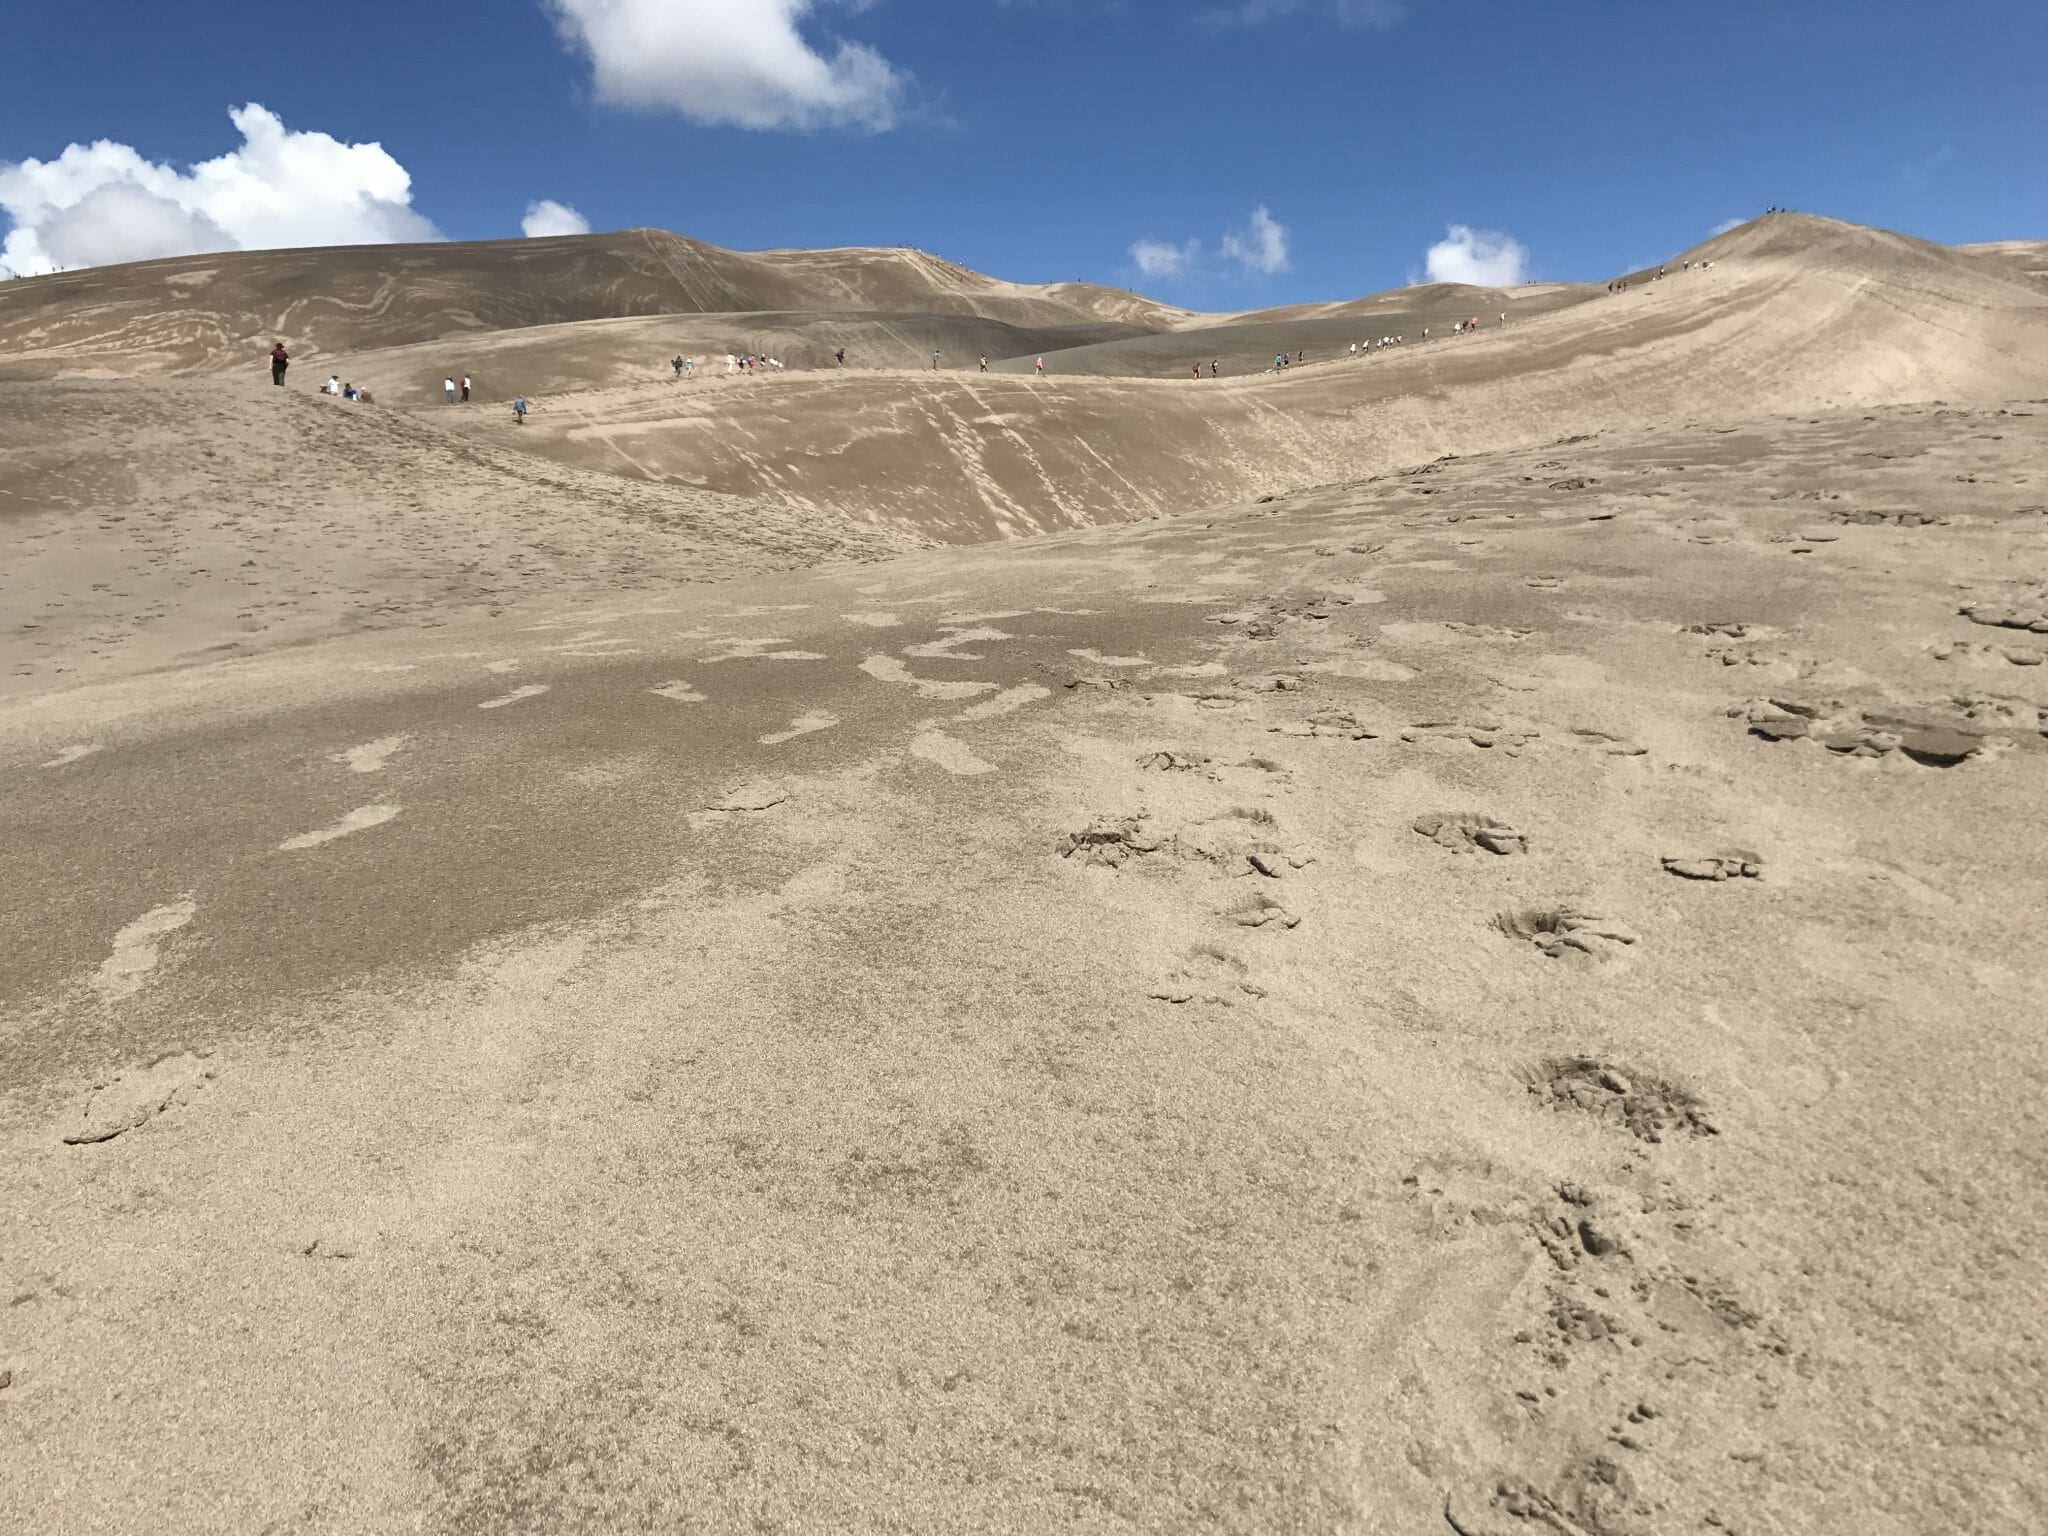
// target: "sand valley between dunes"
[[1438, 942]]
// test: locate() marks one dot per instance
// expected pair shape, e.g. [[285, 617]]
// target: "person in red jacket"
[[279, 361]]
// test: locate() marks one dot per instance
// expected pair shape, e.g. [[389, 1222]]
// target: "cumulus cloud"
[[103, 202], [1260, 247], [548, 217], [1376, 14], [743, 63], [1161, 260], [1485, 258]]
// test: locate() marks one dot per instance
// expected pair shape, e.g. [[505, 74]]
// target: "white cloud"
[[1725, 225], [1377, 14], [745, 63], [1485, 258], [1159, 260], [102, 202], [548, 217], [1260, 247]]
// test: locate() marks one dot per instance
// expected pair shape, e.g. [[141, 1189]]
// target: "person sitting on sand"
[[362, 396], [519, 411], [279, 361], [346, 391], [332, 386]]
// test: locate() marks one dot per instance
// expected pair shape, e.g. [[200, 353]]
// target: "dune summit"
[[1434, 940]]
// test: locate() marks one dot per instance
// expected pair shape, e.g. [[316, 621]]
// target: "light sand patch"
[[138, 947], [948, 649], [1100, 660], [680, 691], [390, 666], [802, 725], [1003, 703], [358, 820], [941, 749], [737, 648], [73, 754], [530, 691], [508, 664], [873, 620], [371, 756], [890, 669]]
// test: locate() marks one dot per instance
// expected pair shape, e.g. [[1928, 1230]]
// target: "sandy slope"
[[1795, 314], [979, 1043], [148, 525]]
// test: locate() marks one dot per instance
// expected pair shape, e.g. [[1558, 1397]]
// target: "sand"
[[1497, 995]]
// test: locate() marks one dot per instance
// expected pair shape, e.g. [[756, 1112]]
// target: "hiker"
[[935, 359], [465, 389], [332, 386], [690, 366], [519, 412], [1215, 363], [279, 361], [449, 386], [1198, 370], [676, 363], [984, 362], [1041, 367], [841, 355]]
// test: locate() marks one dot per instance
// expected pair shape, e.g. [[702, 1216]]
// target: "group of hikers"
[[1621, 284], [457, 389]]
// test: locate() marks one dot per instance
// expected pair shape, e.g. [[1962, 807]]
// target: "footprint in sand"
[[680, 691], [371, 756], [1210, 975], [359, 820], [889, 669], [138, 947], [1462, 831], [1563, 931], [73, 754], [938, 748], [530, 691], [802, 725], [132, 1098]]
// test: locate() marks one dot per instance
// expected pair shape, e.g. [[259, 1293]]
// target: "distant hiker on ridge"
[[519, 412], [279, 361]]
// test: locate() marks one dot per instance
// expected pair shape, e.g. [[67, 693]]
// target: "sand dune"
[[1482, 980], [209, 313]]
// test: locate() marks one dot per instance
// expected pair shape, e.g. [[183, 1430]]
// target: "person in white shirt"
[[449, 386], [332, 386]]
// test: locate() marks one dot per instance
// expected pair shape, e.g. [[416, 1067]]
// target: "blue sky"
[[1034, 139]]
